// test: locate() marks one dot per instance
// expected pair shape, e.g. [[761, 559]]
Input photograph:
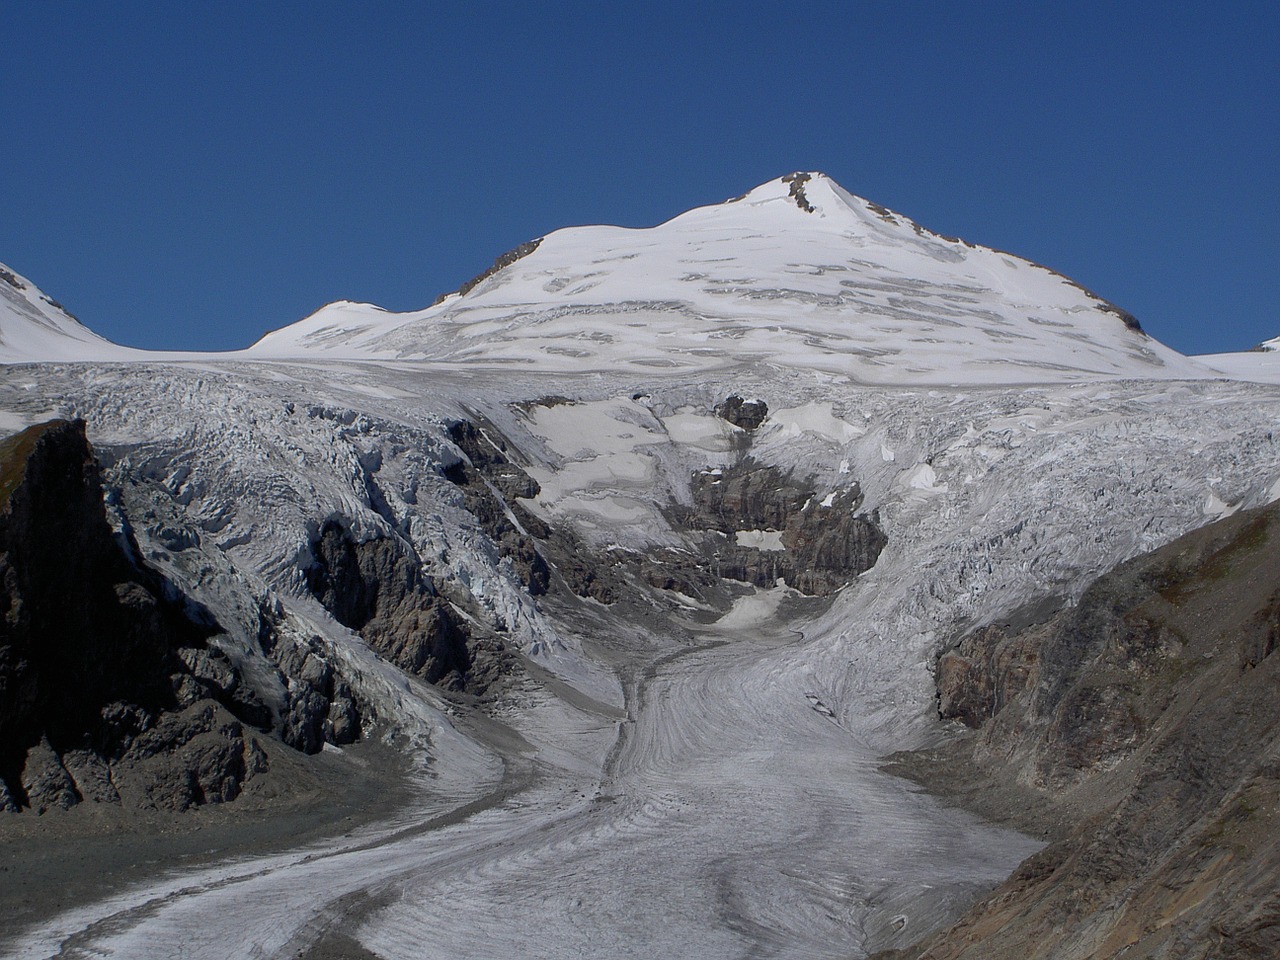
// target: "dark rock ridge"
[[1141, 728], [797, 181], [505, 260], [320, 706], [821, 543], [490, 485], [493, 486], [109, 690], [376, 587]]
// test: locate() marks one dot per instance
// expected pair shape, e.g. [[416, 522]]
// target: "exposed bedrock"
[[376, 587], [109, 690], [1142, 729], [490, 485], [771, 524], [501, 263], [753, 523], [320, 707], [797, 181], [747, 414]]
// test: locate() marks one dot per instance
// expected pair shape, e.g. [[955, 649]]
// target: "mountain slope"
[[1259, 365], [109, 691], [798, 273], [36, 328], [1144, 723], [646, 636]]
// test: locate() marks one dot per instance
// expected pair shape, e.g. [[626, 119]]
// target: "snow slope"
[[823, 281], [35, 327], [1259, 365]]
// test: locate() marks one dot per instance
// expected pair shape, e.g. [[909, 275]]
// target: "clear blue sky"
[[190, 175]]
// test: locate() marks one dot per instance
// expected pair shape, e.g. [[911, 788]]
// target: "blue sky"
[[191, 175]]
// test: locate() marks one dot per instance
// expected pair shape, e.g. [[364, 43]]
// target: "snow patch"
[[924, 479], [761, 539], [816, 418]]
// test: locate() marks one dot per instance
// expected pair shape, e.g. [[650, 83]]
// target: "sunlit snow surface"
[[712, 795], [34, 327], [1254, 366], [849, 288]]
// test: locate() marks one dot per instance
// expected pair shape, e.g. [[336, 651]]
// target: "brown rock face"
[[92, 654], [1146, 722], [824, 545], [747, 414], [377, 588], [990, 667]]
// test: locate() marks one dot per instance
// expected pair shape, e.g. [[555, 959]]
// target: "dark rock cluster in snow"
[[821, 542]]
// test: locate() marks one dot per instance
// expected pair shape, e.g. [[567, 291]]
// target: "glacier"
[[665, 776]]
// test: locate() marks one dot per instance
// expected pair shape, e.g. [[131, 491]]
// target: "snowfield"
[[846, 288], [681, 785]]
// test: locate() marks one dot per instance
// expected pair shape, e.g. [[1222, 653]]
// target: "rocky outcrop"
[[376, 587], [987, 670], [320, 706], [770, 524], [490, 485], [1141, 729], [109, 690], [747, 414], [504, 261], [797, 181]]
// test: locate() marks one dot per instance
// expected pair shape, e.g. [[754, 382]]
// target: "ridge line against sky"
[[190, 177]]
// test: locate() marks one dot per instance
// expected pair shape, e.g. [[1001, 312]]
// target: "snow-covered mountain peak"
[[780, 203], [339, 320], [797, 273]]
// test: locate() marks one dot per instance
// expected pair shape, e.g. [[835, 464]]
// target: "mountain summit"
[[798, 272]]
